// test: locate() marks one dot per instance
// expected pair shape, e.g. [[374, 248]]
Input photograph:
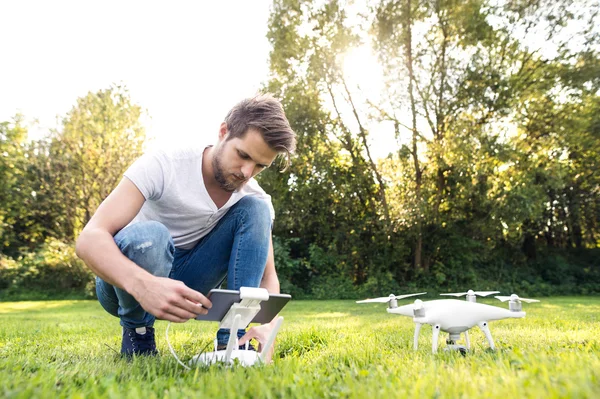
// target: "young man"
[[180, 222]]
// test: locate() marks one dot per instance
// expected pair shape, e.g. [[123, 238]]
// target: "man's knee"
[[149, 245], [257, 208]]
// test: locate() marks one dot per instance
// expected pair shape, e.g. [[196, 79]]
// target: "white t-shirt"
[[172, 183]]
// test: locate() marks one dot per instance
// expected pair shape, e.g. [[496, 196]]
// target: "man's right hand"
[[169, 299]]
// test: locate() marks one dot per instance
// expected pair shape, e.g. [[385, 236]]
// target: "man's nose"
[[247, 169]]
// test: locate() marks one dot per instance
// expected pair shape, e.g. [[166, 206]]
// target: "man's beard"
[[229, 186]]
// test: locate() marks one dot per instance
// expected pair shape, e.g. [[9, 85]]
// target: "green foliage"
[[287, 267], [52, 271], [13, 160], [55, 184], [577, 272], [494, 182], [328, 287], [463, 263], [101, 136], [501, 171], [9, 272]]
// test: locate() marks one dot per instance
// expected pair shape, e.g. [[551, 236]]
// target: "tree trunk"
[[418, 254]]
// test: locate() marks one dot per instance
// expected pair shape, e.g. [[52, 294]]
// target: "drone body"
[[453, 316]]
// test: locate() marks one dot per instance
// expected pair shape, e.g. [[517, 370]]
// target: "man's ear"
[[222, 131]]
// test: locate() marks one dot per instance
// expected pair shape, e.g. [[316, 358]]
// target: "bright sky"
[[185, 62]]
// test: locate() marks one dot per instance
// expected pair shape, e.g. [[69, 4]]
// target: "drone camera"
[[453, 338]]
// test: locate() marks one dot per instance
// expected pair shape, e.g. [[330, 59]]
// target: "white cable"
[[172, 350]]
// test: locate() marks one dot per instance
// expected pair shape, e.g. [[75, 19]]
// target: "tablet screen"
[[223, 299]]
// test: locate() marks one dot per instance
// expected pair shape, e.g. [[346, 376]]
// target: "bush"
[[53, 271], [333, 287], [379, 285], [9, 271]]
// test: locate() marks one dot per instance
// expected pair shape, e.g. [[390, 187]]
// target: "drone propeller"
[[515, 297], [471, 292], [385, 299]]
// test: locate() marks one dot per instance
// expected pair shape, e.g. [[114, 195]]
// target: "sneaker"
[[138, 341]]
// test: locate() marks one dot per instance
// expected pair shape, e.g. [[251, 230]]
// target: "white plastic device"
[[239, 316], [453, 316]]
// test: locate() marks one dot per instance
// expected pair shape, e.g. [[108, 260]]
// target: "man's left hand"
[[261, 334]]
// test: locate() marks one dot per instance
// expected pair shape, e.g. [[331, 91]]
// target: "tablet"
[[223, 299]]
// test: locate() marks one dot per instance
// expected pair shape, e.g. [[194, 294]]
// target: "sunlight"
[[330, 315], [362, 71], [365, 80], [10, 307]]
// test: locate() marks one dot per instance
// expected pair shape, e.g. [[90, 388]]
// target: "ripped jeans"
[[235, 249]]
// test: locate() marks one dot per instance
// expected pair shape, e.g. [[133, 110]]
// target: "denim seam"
[[106, 294], [119, 243], [237, 252], [170, 254], [175, 267]]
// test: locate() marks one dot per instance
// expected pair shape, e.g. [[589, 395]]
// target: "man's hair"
[[265, 114]]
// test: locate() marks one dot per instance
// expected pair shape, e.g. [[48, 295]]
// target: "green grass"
[[325, 349]]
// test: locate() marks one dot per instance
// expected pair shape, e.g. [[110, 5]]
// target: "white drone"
[[454, 316]]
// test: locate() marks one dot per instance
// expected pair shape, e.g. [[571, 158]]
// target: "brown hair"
[[265, 114]]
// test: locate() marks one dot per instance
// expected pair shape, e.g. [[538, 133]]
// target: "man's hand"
[[261, 334], [169, 299]]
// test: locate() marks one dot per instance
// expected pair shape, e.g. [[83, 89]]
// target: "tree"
[[460, 77], [13, 158], [101, 136], [54, 185], [330, 200]]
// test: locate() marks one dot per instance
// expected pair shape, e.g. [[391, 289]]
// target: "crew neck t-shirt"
[[171, 181]]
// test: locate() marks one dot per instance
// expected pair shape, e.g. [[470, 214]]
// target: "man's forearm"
[[99, 252], [271, 283]]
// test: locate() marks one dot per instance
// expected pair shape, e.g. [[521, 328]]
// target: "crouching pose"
[[180, 222]]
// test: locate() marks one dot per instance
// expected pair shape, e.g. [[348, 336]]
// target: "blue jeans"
[[235, 249]]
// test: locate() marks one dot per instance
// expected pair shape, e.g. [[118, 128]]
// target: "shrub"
[[9, 270], [54, 270], [379, 285], [333, 287]]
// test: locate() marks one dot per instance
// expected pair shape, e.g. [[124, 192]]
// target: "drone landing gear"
[[416, 339], [453, 338], [483, 326]]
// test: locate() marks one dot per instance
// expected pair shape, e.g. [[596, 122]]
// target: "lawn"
[[325, 349]]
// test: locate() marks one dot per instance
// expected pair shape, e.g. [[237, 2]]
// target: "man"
[[180, 222]]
